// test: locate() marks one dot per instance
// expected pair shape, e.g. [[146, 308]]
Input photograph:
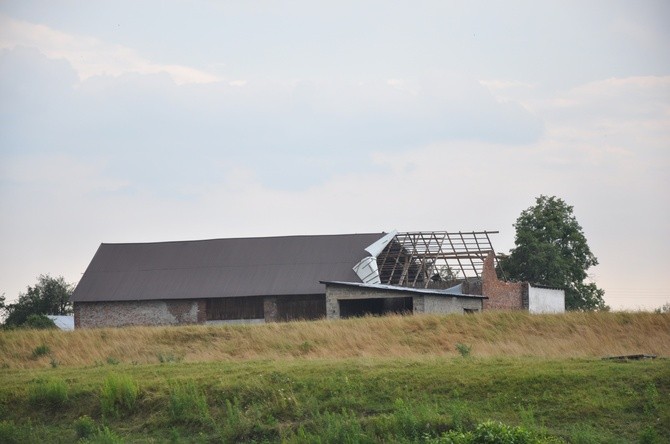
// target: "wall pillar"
[[418, 303], [270, 311], [332, 305]]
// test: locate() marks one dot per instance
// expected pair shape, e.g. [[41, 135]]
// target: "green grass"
[[343, 400], [49, 394], [118, 395]]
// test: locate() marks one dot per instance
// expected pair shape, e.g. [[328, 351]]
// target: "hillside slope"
[[492, 334], [391, 379]]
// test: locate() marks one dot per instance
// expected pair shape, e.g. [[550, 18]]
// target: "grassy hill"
[[389, 379]]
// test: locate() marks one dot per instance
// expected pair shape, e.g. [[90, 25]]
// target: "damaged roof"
[[288, 265]]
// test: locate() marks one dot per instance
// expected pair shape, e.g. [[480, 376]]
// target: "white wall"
[[545, 300]]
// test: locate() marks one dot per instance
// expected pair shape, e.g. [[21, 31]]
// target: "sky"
[[127, 121]]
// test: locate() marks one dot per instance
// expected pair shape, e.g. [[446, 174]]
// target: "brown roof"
[[289, 265]]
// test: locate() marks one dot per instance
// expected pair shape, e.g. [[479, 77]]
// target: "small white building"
[[63, 322], [545, 299]]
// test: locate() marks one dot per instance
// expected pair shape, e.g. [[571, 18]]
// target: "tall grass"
[[488, 334], [188, 404], [118, 395], [52, 393]]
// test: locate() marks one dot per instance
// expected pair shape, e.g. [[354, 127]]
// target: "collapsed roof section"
[[422, 258]]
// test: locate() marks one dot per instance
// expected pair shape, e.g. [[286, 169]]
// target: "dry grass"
[[489, 334]]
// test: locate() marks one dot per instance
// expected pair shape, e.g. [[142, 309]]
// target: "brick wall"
[[118, 314], [501, 295]]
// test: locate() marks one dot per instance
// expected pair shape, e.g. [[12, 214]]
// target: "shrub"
[[41, 350], [85, 427], [49, 394], [188, 405], [39, 322], [119, 394], [491, 432]]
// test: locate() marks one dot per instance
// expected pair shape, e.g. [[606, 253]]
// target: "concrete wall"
[[445, 304], [118, 314], [545, 300], [421, 303], [501, 295]]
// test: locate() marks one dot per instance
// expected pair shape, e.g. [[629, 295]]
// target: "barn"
[[270, 279]]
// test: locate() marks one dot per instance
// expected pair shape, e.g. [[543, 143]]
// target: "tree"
[[50, 296], [551, 250]]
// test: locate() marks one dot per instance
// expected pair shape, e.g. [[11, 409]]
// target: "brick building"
[[269, 279]]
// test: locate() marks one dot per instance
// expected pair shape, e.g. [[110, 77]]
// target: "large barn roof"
[[289, 265]]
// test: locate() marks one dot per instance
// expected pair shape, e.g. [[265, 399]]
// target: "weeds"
[[235, 425], [463, 349], [10, 433], [104, 436], [112, 360], [649, 435], [651, 399], [335, 428], [188, 404], [40, 350], [494, 433], [48, 394], [85, 427], [305, 347], [118, 395], [168, 358]]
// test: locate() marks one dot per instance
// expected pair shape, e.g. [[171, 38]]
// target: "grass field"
[[391, 379]]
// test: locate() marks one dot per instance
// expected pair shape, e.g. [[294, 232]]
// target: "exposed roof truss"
[[415, 259]]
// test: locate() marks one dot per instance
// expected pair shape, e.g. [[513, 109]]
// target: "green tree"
[[50, 296], [551, 250]]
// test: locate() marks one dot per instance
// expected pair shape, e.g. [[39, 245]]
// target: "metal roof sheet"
[[288, 265]]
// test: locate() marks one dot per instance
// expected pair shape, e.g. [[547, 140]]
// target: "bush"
[[40, 350], [39, 322], [85, 427], [491, 432], [119, 394], [49, 394]]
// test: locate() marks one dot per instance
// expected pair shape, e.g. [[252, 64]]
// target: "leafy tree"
[[50, 296], [551, 250], [39, 321]]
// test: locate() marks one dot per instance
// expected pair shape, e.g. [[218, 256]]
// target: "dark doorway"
[[377, 306], [290, 308], [228, 309]]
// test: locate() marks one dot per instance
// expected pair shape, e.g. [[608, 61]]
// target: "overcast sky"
[[127, 121]]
